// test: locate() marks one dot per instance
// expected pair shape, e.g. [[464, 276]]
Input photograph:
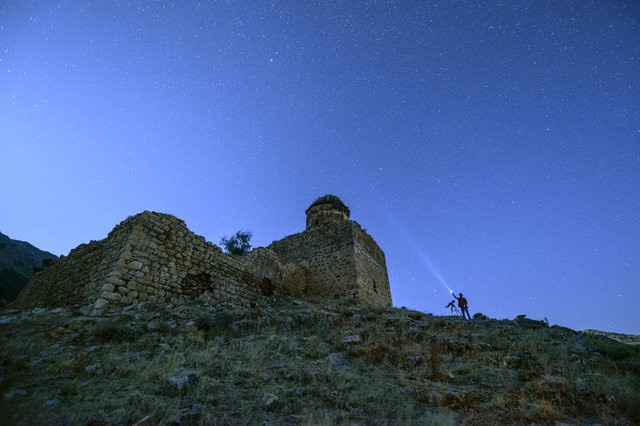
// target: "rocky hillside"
[[282, 361], [18, 259]]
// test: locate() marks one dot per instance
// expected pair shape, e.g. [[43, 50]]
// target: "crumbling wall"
[[75, 279], [154, 257], [342, 261], [372, 281], [326, 252], [165, 262]]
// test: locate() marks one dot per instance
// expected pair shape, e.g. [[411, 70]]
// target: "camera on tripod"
[[454, 309]]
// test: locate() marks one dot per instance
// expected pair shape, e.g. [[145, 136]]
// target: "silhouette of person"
[[463, 305]]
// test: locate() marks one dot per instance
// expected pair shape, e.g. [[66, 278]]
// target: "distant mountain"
[[18, 259]]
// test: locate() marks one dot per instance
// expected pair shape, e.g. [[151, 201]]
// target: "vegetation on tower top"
[[329, 199]]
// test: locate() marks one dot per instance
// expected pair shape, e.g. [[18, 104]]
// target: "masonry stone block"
[[101, 304], [107, 287], [115, 280], [109, 295]]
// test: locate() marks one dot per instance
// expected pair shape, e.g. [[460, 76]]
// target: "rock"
[[270, 401], [110, 295], [101, 303], [179, 384], [153, 326], [55, 347], [145, 421], [351, 338], [6, 320], [299, 391], [51, 402], [180, 309], [15, 392], [34, 349], [339, 359], [108, 287], [93, 369], [531, 324], [131, 357], [87, 310], [189, 416]]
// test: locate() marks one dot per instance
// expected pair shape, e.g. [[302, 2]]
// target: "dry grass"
[[403, 367]]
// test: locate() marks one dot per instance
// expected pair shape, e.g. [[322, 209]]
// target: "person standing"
[[463, 305]]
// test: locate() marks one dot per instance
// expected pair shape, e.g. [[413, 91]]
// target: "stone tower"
[[341, 260], [325, 210]]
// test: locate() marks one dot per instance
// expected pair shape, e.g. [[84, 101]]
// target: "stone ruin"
[[154, 257]]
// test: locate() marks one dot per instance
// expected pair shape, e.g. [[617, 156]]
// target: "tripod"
[[454, 310]]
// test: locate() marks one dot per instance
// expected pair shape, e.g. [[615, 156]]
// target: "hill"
[[283, 361], [18, 259]]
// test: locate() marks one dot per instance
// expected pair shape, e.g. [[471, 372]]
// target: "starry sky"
[[489, 146]]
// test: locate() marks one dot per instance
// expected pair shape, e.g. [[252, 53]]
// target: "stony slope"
[[17, 262], [282, 361]]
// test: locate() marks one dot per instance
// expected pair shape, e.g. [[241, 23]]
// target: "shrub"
[[415, 315], [439, 323], [113, 331], [479, 315], [215, 325], [238, 243], [613, 349]]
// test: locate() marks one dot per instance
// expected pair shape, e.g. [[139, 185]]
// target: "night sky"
[[493, 147]]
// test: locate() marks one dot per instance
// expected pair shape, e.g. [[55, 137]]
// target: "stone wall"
[[165, 261], [154, 257], [371, 267], [343, 262], [76, 278], [327, 253]]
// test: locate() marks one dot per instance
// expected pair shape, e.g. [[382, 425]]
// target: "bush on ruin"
[[238, 243]]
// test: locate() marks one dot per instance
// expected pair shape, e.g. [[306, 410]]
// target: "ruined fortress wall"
[[152, 257], [372, 281], [326, 252], [166, 262], [75, 279]]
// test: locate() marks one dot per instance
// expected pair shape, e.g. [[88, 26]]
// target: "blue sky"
[[496, 144]]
